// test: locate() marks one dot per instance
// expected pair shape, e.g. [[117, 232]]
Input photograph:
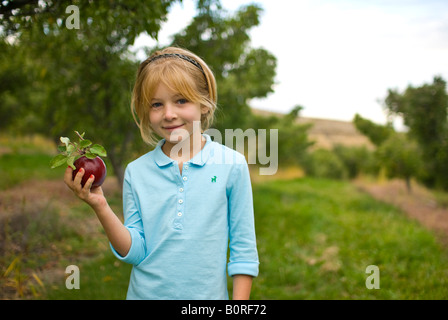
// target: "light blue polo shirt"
[[182, 225]]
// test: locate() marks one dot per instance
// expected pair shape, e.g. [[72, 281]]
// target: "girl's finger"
[[78, 177], [68, 176], [89, 182]]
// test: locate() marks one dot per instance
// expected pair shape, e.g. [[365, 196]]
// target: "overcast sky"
[[337, 58]]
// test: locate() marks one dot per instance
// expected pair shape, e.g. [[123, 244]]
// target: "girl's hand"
[[92, 196]]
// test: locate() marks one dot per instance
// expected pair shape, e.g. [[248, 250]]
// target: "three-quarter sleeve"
[[243, 257], [133, 222]]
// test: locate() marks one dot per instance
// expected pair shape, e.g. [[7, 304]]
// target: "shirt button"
[[181, 201], [186, 167], [179, 214], [185, 178], [181, 189]]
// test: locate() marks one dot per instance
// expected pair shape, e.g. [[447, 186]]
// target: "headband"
[[168, 55]]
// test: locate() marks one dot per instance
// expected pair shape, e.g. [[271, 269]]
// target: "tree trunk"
[[408, 185], [116, 156], [117, 166]]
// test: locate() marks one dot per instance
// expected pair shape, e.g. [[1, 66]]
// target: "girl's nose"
[[170, 112]]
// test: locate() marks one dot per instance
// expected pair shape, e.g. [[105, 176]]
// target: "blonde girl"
[[188, 200]]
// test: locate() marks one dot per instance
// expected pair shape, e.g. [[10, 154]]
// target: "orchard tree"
[[293, 142], [376, 133], [400, 157], [242, 73], [13, 80], [424, 110], [398, 154], [82, 78]]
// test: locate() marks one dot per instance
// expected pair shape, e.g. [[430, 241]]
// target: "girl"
[[187, 201]]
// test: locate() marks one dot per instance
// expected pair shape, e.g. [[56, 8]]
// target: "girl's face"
[[172, 115]]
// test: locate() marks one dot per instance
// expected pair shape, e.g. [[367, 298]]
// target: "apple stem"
[[80, 137]]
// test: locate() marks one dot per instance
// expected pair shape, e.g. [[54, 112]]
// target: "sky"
[[337, 58]]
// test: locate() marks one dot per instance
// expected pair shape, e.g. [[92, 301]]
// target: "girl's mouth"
[[171, 128]]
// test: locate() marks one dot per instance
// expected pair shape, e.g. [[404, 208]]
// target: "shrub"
[[357, 160], [323, 163]]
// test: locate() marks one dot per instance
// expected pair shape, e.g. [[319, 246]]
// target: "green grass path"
[[317, 237], [315, 240]]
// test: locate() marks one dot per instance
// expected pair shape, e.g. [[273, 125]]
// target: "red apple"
[[91, 166]]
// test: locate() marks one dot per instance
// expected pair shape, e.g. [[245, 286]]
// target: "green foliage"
[[357, 160], [398, 154], [76, 78], [323, 163], [293, 140], [400, 157], [241, 72], [376, 133], [119, 21], [424, 111], [342, 162], [82, 78], [12, 80]]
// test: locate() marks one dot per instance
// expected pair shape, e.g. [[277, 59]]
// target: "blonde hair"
[[180, 75]]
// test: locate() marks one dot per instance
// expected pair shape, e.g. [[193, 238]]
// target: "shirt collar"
[[199, 159], [160, 157]]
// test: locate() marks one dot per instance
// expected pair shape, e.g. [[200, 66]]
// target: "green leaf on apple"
[[90, 155], [71, 151], [57, 161], [85, 143], [98, 150], [71, 161]]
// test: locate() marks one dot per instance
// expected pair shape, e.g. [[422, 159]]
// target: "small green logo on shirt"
[[214, 179]]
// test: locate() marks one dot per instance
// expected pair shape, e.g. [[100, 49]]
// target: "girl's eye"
[[156, 105], [182, 101]]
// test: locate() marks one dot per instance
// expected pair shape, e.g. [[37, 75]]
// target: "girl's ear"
[[204, 109]]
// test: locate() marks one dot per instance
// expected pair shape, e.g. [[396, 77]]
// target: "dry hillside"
[[328, 133]]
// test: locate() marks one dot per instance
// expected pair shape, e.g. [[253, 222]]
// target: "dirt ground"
[[20, 205], [420, 204], [41, 193]]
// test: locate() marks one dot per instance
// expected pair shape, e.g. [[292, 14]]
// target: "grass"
[[102, 277], [16, 168], [24, 158], [315, 239]]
